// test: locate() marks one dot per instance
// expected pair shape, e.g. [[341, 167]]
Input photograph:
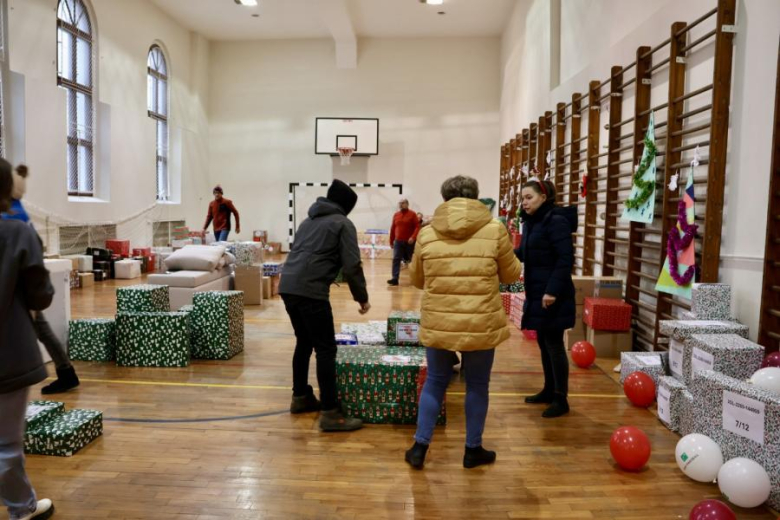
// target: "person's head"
[[20, 181], [6, 185], [340, 193], [460, 186], [535, 193], [419, 216], [217, 192], [403, 204]]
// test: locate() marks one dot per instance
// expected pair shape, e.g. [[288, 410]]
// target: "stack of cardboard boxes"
[[249, 271], [603, 341]]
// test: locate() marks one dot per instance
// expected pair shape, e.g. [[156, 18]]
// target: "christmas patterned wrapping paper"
[[217, 324], [346, 338], [64, 434], [73, 279], [506, 302], [187, 308], [153, 339], [249, 253], [728, 354], [671, 402], [92, 339], [711, 301], [39, 412], [608, 314], [516, 308], [684, 329], [370, 333], [272, 268], [743, 419], [654, 364], [514, 287], [143, 298], [381, 384], [403, 328]]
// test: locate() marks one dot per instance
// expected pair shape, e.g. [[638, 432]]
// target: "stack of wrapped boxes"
[[590, 287], [403, 328], [507, 290], [371, 333], [375, 243], [382, 384], [249, 271], [272, 272], [51, 430]]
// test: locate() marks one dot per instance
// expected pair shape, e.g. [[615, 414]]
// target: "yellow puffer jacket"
[[458, 261]]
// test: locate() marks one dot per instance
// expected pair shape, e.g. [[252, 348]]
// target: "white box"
[[85, 263], [127, 269]]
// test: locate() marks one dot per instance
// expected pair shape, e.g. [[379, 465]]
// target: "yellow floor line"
[[287, 388]]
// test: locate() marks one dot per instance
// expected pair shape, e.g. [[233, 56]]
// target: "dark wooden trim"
[[591, 199], [613, 159], [576, 140], [560, 139]]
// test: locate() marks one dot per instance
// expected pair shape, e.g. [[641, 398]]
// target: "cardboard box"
[[597, 286], [249, 279], [267, 287], [86, 280], [572, 336], [274, 248], [609, 344]]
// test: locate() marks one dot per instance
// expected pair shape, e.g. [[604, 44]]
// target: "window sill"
[[169, 202], [94, 200]]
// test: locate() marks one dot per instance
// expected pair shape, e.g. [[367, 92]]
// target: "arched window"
[[75, 41], [157, 106]]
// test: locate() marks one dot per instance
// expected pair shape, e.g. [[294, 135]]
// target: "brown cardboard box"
[[275, 280], [249, 278], [274, 248], [578, 333], [597, 286], [86, 279], [267, 287], [609, 344]]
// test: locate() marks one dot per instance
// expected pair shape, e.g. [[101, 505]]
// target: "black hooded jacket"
[[547, 254], [325, 243]]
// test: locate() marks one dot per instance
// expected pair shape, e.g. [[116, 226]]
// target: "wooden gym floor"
[[215, 441]]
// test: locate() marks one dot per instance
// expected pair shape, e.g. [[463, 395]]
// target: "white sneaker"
[[43, 510]]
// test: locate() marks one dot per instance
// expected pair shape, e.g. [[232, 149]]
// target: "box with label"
[[143, 298], [609, 344], [370, 333], [728, 354], [64, 434], [153, 339], [597, 286], [403, 328], [654, 364], [217, 324], [249, 253], [119, 247], [127, 269], [272, 268], [671, 402], [607, 314], [39, 412], [86, 280], [92, 339], [711, 301], [346, 338], [744, 420], [684, 329], [249, 279]]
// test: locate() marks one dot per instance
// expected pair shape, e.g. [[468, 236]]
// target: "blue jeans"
[[478, 365], [221, 235], [15, 490]]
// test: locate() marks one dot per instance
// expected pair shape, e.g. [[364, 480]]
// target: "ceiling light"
[[248, 3], [432, 2]]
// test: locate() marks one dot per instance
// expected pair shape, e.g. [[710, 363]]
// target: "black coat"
[[325, 243], [547, 253]]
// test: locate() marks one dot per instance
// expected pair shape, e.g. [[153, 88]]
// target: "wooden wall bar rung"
[[699, 40], [699, 20]]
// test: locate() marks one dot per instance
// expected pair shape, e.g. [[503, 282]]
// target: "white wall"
[[125, 134], [597, 34], [437, 101]]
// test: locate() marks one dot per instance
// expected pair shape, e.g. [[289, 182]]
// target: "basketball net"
[[345, 153]]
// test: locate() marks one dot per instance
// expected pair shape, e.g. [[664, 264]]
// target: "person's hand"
[[238, 229], [364, 308], [547, 301], [410, 241]]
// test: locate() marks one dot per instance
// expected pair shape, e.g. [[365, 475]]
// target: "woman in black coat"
[[547, 254]]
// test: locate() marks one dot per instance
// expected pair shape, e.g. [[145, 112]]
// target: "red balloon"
[[771, 360], [640, 389], [630, 448], [583, 354], [711, 510]]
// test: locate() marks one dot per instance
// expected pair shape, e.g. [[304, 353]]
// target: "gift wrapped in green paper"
[[217, 324], [153, 339], [403, 328], [92, 339], [64, 434], [143, 298]]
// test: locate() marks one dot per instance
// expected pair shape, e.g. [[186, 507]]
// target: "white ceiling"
[[292, 19]]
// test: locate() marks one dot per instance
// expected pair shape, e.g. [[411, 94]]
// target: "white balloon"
[[767, 378], [744, 482], [699, 457]]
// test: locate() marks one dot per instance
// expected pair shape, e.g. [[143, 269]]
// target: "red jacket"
[[406, 225], [220, 212]]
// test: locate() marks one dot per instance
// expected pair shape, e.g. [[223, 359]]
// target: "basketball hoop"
[[345, 152]]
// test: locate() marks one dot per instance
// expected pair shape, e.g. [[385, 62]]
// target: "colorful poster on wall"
[[640, 206]]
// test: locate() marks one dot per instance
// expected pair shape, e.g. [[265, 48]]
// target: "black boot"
[[415, 455], [543, 397], [66, 380], [559, 406], [477, 457], [304, 403], [335, 421]]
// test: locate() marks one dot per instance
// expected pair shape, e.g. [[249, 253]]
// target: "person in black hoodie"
[[24, 287], [325, 243], [547, 253]]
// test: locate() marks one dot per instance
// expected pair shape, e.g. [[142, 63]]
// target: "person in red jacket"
[[403, 234], [219, 211]]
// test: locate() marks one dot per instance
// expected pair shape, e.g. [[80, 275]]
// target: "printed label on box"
[[676, 357], [33, 410], [396, 359], [407, 331], [743, 416], [701, 360], [650, 361], [664, 410], [707, 323]]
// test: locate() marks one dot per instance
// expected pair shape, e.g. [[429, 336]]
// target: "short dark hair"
[[460, 186], [542, 188], [23, 171], [6, 185]]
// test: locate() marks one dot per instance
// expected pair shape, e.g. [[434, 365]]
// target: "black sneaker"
[[304, 403], [543, 397], [392, 282], [66, 380], [415, 455], [477, 457]]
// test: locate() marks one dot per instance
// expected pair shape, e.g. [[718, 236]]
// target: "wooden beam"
[[560, 139], [613, 170], [574, 149], [594, 120]]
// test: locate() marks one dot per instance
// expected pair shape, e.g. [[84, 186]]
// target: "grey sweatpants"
[[15, 490], [57, 351]]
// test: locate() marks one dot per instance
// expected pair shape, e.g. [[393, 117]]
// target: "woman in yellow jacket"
[[458, 261]]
